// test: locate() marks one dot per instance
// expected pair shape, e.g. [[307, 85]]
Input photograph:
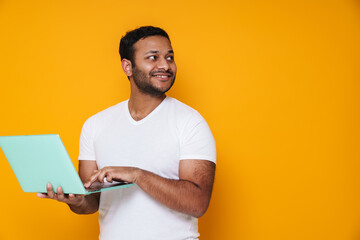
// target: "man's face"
[[155, 69]]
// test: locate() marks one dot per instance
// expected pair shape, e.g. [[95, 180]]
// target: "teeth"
[[161, 76]]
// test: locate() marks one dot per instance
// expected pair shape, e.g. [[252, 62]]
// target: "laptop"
[[40, 159]]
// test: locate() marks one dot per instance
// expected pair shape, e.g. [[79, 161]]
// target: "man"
[[163, 146]]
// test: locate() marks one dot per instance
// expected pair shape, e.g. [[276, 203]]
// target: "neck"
[[141, 105]]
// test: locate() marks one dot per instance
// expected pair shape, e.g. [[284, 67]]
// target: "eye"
[[152, 57], [170, 58]]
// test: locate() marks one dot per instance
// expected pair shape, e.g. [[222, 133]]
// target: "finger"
[[77, 196], [102, 175], [109, 178], [92, 180], [50, 191], [42, 195], [76, 199], [60, 194]]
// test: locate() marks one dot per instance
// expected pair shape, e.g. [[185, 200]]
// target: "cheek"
[[173, 67], [145, 67], [148, 67]]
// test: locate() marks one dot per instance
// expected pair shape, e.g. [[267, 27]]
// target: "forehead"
[[153, 43]]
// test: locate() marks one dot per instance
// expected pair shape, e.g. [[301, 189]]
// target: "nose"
[[163, 64]]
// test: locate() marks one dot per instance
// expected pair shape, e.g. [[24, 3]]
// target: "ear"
[[127, 67]]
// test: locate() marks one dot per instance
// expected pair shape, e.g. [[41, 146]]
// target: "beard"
[[142, 81]]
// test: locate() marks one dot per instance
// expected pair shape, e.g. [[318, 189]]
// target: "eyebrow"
[[156, 51]]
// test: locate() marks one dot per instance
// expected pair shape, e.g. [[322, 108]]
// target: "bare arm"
[[91, 202], [190, 194], [79, 204]]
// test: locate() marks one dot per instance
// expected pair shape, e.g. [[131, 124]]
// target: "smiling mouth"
[[161, 76]]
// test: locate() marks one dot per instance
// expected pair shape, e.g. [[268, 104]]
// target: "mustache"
[[159, 71]]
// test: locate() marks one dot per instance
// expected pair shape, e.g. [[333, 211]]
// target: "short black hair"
[[127, 42]]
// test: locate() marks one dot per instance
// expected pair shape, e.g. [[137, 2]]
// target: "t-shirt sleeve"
[[86, 150], [197, 141]]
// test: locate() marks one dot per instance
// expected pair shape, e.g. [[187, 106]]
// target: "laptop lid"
[[40, 159]]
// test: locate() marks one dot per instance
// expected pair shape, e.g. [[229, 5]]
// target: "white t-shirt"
[[170, 133]]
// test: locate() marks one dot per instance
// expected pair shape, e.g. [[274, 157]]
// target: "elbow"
[[198, 214], [200, 209], [83, 211]]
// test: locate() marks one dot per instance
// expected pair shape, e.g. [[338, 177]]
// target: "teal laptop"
[[40, 159]]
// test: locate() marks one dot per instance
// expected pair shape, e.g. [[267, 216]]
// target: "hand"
[[126, 174], [71, 199]]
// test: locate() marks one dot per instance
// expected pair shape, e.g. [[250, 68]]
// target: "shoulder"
[[107, 114], [98, 122], [95, 124], [186, 119], [182, 111], [195, 137]]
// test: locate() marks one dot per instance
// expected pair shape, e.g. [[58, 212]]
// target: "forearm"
[[190, 194], [89, 205], [180, 195]]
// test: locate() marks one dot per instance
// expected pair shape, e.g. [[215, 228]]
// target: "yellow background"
[[277, 81]]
